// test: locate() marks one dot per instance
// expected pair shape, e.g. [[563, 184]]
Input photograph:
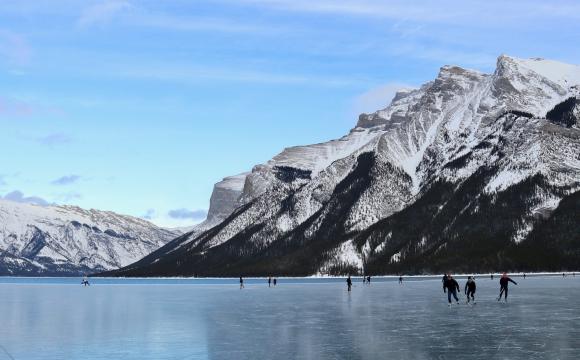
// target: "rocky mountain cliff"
[[67, 240], [469, 172]]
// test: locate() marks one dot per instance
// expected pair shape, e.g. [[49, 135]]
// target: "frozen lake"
[[298, 319]]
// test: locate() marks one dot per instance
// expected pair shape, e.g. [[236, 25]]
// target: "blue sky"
[[141, 106]]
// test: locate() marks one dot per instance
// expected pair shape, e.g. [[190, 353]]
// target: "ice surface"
[[298, 319]]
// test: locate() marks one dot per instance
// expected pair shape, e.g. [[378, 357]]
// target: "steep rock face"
[[67, 240], [225, 198], [454, 175]]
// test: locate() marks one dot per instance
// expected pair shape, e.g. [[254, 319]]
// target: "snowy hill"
[[462, 173], [67, 240]]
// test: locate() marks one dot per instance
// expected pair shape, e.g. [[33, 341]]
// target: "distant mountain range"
[[67, 240], [469, 172]]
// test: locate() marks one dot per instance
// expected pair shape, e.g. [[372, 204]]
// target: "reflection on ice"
[[150, 320]]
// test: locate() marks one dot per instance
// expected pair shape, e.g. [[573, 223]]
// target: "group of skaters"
[[271, 281], [366, 281], [451, 287]]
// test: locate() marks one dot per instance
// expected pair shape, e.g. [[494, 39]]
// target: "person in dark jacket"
[[470, 289], [241, 282], [349, 283], [451, 287], [504, 280]]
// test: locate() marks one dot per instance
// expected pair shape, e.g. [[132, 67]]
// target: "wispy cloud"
[[68, 196], [66, 180], [149, 214], [138, 15], [18, 196], [187, 214], [54, 139], [446, 11], [11, 108], [209, 24], [378, 97], [14, 48], [102, 12], [191, 74]]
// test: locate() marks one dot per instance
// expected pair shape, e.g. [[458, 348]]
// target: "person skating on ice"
[[503, 286], [451, 287], [470, 289]]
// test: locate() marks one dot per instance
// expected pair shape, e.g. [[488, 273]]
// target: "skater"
[[349, 283], [241, 283], [491, 276], [524, 276], [470, 289], [400, 279], [368, 280], [451, 287], [275, 281], [503, 284], [85, 281], [269, 281]]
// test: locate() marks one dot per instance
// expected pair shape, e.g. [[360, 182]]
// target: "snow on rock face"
[[563, 74], [311, 159], [69, 240], [225, 197], [419, 123], [346, 255]]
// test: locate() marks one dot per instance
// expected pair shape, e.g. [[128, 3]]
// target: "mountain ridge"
[[68, 240], [461, 145]]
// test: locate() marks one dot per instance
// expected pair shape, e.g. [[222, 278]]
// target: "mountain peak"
[[563, 74]]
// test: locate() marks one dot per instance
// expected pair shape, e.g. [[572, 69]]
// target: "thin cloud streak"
[[102, 13], [378, 97], [66, 180], [150, 214], [480, 13], [189, 74], [54, 139], [18, 196], [183, 214], [176, 23], [14, 48]]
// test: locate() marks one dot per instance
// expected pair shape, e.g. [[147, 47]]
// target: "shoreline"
[[313, 277]]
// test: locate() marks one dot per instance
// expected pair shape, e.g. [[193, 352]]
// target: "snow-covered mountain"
[[68, 240], [466, 173]]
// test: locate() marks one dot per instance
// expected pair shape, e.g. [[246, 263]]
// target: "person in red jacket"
[[503, 286]]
